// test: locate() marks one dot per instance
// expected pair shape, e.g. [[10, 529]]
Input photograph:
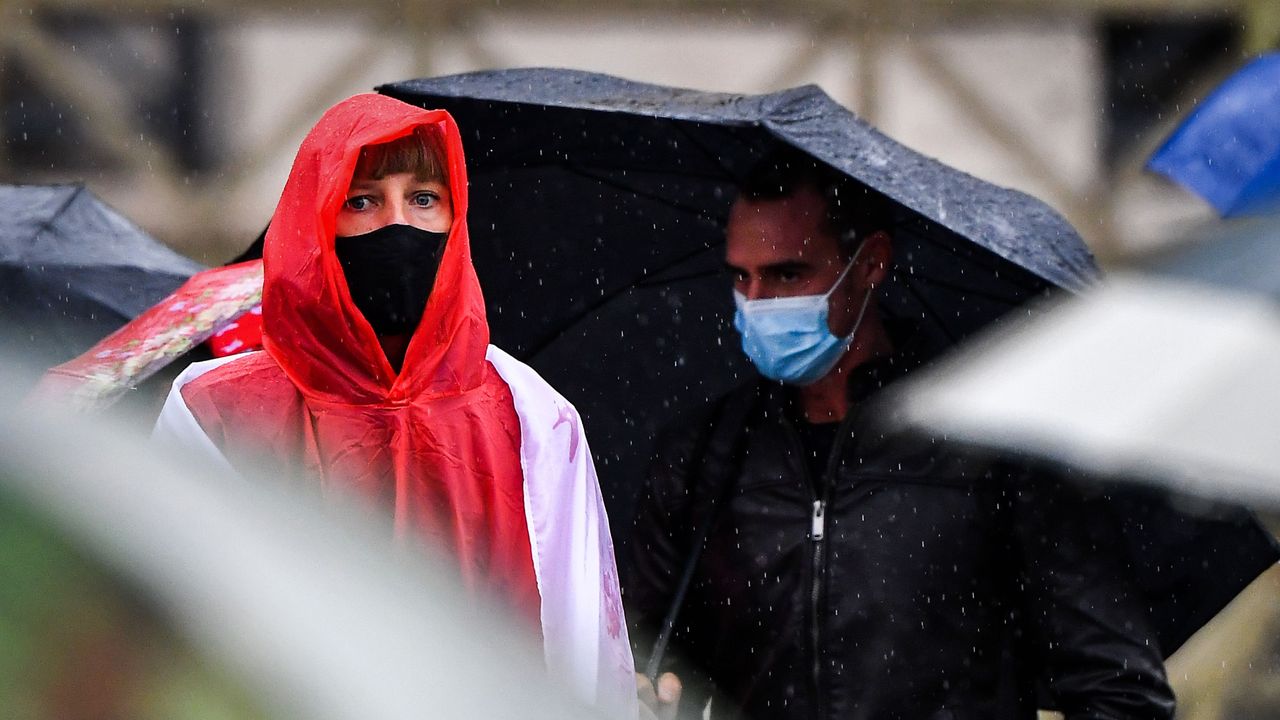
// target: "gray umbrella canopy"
[[596, 217], [72, 270]]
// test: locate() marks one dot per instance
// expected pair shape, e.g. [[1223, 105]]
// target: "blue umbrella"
[[1228, 150]]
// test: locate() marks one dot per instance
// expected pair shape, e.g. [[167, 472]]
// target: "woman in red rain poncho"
[[405, 403]]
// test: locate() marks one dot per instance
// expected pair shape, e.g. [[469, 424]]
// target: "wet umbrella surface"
[[597, 208], [72, 270]]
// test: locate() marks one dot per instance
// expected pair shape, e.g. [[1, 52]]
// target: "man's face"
[[780, 248], [395, 199]]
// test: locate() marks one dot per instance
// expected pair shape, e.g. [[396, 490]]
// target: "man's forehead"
[[805, 202], [781, 229]]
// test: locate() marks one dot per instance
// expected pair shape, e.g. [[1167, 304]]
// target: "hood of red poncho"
[[312, 328]]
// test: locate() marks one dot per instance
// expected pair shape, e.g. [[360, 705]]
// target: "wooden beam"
[[829, 28], [870, 49], [60, 70], [915, 10], [1077, 207], [481, 56], [1262, 26], [218, 188]]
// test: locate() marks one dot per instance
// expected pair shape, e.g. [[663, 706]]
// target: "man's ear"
[[877, 253]]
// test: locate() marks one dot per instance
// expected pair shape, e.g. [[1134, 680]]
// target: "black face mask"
[[390, 272]]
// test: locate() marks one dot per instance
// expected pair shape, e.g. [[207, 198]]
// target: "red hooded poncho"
[[439, 443]]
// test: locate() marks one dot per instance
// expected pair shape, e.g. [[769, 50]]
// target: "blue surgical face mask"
[[788, 338]]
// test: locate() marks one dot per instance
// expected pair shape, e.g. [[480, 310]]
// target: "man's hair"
[[853, 210], [420, 153]]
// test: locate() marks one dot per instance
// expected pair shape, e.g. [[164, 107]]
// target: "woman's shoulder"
[[235, 386], [233, 370], [525, 383]]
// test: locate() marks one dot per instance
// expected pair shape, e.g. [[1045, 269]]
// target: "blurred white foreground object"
[[1170, 381], [315, 615]]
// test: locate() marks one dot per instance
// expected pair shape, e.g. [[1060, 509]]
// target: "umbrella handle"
[[677, 602], [728, 420]]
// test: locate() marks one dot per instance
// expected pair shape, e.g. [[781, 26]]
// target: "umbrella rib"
[[47, 225], [583, 172], [988, 265], [642, 193], [503, 165], [694, 174], [961, 289], [646, 279], [706, 151], [937, 317], [677, 278], [923, 234]]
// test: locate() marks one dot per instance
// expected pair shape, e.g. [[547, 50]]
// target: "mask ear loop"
[[866, 299], [847, 268]]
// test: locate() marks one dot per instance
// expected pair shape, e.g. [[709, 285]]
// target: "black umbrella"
[[596, 217], [72, 270]]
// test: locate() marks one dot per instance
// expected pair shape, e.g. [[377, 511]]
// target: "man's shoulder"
[[734, 402], [716, 421]]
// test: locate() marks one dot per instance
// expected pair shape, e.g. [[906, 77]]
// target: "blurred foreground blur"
[[1166, 376], [134, 586]]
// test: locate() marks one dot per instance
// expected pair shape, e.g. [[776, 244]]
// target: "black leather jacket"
[[909, 582]]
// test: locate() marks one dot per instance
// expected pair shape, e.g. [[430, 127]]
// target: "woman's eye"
[[358, 203], [424, 199]]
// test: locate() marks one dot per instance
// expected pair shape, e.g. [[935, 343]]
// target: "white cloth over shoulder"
[[584, 632], [177, 427]]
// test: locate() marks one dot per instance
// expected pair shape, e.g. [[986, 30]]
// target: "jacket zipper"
[[818, 532], [817, 538], [819, 524]]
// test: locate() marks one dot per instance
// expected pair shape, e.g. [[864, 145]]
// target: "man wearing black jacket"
[[844, 573]]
